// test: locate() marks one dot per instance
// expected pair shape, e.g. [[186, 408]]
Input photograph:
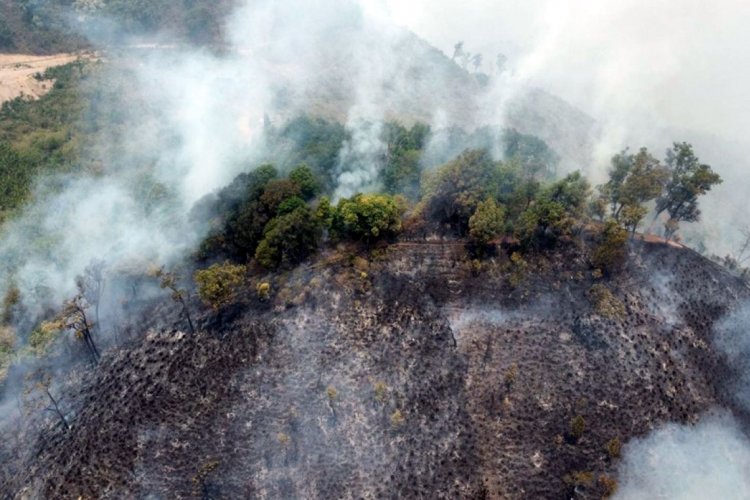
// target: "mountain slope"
[[416, 378]]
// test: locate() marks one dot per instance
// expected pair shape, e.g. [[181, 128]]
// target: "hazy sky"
[[676, 63]]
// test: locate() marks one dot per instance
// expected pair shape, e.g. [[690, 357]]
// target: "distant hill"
[[53, 26], [420, 83], [410, 79]]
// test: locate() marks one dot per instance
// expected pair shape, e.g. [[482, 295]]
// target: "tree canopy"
[[453, 192], [289, 238], [689, 179], [367, 217], [487, 223]]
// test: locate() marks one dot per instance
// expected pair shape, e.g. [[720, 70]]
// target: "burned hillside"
[[409, 374]]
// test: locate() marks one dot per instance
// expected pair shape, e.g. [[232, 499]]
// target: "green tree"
[[542, 222], [571, 192], [308, 184], [15, 179], [324, 212], [314, 142], [689, 179], [631, 217], [401, 172], [244, 230], [236, 215], [537, 159], [6, 35], [487, 223], [276, 192], [219, 284], [453, 192], [289, 205], [634, 179], [367, 217], [289, 238], [598, 208], [554, 212]]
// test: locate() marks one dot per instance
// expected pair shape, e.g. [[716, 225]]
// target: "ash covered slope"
[[407, 376]]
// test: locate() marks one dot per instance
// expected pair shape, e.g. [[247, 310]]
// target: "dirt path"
[[17, 74]]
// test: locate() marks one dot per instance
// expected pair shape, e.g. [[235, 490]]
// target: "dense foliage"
[[289, 238], [281, 221], [280, 213], [42, 136], [219, 284], [487, 223], [367, 217]]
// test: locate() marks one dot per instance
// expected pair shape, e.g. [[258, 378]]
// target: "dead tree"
[[743, 252], [56, 408], [91, 286], [74, 318], [169, 280]]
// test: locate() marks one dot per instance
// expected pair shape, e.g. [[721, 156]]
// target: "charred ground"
[[402, 371]]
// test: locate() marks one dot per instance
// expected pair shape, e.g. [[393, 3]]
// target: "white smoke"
[[196, 122], [675, 462], [649, 72], [733, 340], [708, 460]]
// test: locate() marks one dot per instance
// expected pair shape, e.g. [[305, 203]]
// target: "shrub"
[[381, 391], [605, 303], [487, 222], [43, 336], [519, 269], [283, 439], [397, 418], [476, 267], [10, 302], [579, 478], [332, 393], [611, 252], [264, 291], [577, 427], [511, 375], [614, 447], [219, 284], [608, 485], [7, 340]]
